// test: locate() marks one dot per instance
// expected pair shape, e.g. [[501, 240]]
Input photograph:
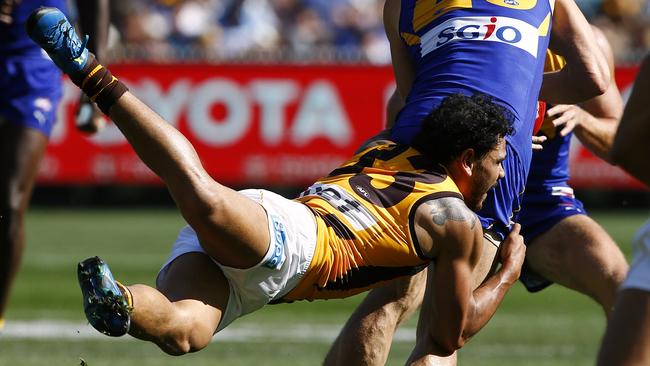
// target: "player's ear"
[[467, 160]]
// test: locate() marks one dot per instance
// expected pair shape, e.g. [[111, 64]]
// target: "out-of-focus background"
[[274, 94]]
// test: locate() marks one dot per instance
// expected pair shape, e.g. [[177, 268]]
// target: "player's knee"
[[11, 216], [202, 204], [174, 346], [180, 344]]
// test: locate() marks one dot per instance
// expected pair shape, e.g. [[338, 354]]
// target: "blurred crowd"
[[341, 30]]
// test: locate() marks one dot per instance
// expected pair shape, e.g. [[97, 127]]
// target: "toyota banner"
[[257, 125]]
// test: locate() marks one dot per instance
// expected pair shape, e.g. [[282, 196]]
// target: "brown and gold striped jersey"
[[364, 212]]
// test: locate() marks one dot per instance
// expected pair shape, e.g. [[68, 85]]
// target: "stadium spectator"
[[244, 250], [28, 106], [342, 29], [627, 339]]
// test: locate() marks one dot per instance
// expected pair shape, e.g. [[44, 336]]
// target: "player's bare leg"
[[577, 253], [220, 216], [627, 340], [21, 150], [182, 315], [367, 335]]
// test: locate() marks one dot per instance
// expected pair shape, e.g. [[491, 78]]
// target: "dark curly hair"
[[461, 122]]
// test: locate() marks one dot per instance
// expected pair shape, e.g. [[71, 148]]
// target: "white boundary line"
[[244, 332]]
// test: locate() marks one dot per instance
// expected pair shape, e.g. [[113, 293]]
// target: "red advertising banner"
[[253, 125], [258, 124], [589, 171]]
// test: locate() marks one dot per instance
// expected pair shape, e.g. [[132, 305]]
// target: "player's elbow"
[[447, 344], [597, 83]]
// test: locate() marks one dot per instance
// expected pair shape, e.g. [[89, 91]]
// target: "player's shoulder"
[[445, 210], [447, 221]]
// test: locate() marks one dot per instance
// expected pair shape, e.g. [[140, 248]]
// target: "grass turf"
[[554, 327]]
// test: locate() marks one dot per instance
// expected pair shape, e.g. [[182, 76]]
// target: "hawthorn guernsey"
[[493, 47]]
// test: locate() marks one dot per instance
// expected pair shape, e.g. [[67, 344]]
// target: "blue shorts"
[[30, 92], [542, 209], [504, 201]]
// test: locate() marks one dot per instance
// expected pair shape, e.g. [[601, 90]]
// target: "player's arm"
[[93, 20], [631, 148], [596, 120], [586, 71], [458, 310], [402, 65]]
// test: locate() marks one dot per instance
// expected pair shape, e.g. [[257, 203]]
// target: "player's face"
[[485, 174]]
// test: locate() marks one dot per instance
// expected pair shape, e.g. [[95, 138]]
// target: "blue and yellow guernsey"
[[13, 37], [550, 166], [364, 213], [495, 47]]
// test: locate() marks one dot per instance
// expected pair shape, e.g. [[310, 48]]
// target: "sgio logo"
[[510, 31]]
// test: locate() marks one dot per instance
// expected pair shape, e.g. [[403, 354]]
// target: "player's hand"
[[6, 9], [89, 118], [538, 142], [512, 253], [567, 116]]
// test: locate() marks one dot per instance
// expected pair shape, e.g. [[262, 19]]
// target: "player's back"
[[364, 213], [495, 47], [13, 37]]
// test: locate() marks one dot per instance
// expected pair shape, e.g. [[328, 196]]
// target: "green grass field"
[[555, 327]]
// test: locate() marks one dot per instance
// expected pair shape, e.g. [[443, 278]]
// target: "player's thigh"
[[367, 335], [627, 339], [21, 150], [198, 288], [578, 253], [235, 231]]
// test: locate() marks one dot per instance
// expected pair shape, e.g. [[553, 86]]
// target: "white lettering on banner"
[[273, 97], [321, 114], [104, 167], [290, 167], [168, 105], [505, 30], [59, 130], [201, 121]]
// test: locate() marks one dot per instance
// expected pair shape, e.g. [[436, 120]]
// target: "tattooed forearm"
[[454, 209]]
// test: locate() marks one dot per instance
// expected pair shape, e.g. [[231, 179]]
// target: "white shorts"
[[292, 230], [638, 276]]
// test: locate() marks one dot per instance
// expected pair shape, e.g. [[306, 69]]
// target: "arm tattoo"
[[453, 209]]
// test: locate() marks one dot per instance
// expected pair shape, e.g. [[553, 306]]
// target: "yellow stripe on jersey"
[[553, 62], [364, 214], [545, 26], [519, 4], [410, 39], [426, 11]]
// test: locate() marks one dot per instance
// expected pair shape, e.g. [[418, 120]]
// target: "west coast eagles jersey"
[[364, 212], [494, 47], [550, 165]]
